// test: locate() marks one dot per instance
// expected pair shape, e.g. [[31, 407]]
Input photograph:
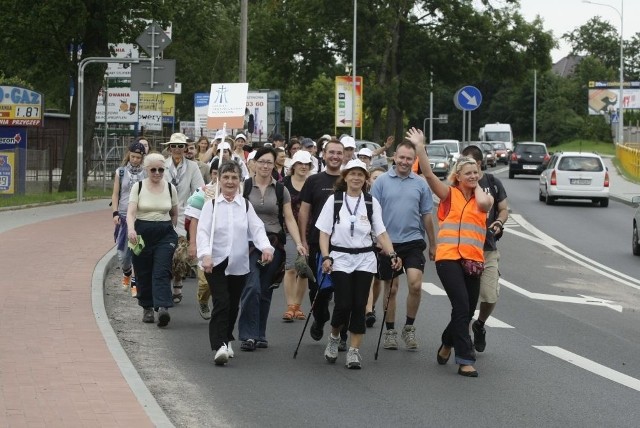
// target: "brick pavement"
[[55, 367]]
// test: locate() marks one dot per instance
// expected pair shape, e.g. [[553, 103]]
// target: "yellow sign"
[[344, 101], [168, 105], [7, 173], [20, 107]]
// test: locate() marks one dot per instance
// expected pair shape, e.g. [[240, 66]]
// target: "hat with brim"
[[348, 142], [252, 155], [220, 135], [301, 156], [365, 152], [241, 136], [224, 146], [353, 164], [177, 138]]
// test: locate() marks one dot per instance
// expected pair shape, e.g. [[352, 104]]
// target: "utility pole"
[[244, 8]]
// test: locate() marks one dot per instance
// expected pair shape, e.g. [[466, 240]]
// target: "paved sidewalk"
[[55, 367], [620, 189]]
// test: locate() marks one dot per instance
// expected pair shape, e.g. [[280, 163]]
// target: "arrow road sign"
[[153, 40], [468, 98]]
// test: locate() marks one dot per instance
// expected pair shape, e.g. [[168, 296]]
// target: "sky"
[[564, 16]]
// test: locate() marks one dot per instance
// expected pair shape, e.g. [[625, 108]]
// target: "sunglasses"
[[157, 170], [177, 146]]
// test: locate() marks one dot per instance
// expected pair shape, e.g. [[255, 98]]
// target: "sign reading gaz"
[[20, 107]]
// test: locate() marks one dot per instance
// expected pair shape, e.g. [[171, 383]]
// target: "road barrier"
[[629, 157]]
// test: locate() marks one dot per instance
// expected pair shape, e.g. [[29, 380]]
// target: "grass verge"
[[585, 146], [51, 198]]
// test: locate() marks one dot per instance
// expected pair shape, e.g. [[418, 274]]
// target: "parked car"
[[439, 160], [483, 164], [377, 161], [490, 154], [453, 146], [502, 154], [528, 158], [635, 238], [575, 175]]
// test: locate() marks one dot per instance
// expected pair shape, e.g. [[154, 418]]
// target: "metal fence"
[[629, 157]]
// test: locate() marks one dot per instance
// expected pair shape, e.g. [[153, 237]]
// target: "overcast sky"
[[563, 16]]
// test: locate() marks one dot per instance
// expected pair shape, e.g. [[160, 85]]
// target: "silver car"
[[379, 161]]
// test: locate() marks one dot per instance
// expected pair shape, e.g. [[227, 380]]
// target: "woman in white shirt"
[[348, 255], [223, 252]]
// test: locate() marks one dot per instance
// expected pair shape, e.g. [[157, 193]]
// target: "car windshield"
[[487, 147], [453, 147], [579, 163], [499, 146], [531, 149], [436, 152], [497, 136]]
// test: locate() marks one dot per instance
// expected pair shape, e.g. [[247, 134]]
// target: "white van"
[[497, 132]]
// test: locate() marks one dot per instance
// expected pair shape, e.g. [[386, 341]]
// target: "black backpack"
[[337, 206]]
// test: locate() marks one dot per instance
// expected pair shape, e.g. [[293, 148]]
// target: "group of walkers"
[[267, 215]]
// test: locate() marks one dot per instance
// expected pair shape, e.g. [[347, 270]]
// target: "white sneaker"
[[222, 356], [230, 351]]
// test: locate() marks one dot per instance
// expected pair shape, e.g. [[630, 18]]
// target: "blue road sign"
[[468, 98], [614, 117]]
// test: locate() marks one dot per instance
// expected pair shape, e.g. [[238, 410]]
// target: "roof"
[[566, 66]]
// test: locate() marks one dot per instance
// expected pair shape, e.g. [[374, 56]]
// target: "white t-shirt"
[[361, 238]]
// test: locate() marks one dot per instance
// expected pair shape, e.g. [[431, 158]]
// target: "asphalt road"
[[554, 358]]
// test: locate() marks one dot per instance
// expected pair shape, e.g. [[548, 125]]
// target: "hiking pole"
[[384, 317], [306, 323]]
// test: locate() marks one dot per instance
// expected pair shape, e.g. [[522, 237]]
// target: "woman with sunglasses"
[[151, 218], [126, 177], [224, 226], [462, 215]]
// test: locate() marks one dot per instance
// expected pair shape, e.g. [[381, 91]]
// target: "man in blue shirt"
[[407, 203]]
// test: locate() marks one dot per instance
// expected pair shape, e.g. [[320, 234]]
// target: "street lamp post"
[[621, 79]]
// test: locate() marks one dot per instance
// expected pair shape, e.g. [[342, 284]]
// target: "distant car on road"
[[453, 146], [528, 158], [377, 161], [439, 160], [478, 144], [635, 238], [502, 154], [490, 154], [575, 175]]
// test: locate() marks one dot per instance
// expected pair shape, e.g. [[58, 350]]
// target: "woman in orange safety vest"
[[462, 216]]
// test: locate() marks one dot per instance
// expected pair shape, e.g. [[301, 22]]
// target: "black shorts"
[[412, 255]]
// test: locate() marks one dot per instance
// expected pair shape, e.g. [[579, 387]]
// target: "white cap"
[[301, 156], [241, 136], [348, 142], [224, 146], [365, 152], [252, 155], [220, 135], [325, 137], [356, 163]]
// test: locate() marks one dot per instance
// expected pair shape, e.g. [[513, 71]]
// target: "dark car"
[[490, 154], [439, 160], [528, 158], [502, 153]]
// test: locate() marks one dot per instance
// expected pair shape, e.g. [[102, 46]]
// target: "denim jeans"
[[463, 292], [255, 301], [125, 259], [153, 264]]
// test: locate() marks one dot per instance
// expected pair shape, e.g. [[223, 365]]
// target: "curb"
[[145, 398]]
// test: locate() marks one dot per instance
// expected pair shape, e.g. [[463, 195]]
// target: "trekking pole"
[[384, 317], [313, 304]]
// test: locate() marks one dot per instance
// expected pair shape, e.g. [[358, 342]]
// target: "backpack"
[[493, 189], [140, 189], [337, 206]]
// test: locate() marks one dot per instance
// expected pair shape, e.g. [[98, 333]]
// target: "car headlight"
[[441, 165]]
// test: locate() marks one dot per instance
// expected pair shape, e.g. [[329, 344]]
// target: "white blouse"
[[235, 226]]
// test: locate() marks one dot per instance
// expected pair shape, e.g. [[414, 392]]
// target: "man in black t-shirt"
[[314, 194], [496, 217]]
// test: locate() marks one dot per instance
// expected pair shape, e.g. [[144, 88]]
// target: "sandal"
[[177, 297], [289, 314], [298, 314]]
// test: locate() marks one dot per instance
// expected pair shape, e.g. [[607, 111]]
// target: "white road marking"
[[557, 247], [592, 366], [581, 300], [434, 290]]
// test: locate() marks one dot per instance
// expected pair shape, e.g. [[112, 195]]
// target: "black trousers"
[[351, 292], [153, 264], [225, 293], [463, 292]]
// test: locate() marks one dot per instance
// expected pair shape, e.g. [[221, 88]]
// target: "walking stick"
[[384, 316], [313, 304]]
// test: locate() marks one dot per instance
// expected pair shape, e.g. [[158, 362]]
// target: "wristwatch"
[[324, 258]]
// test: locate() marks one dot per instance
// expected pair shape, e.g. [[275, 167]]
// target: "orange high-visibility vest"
[[462, 230]]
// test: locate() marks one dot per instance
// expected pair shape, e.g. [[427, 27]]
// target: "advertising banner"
[[200, 107], [257, 103], [344, 104], [7, 173], [168, 108], [13, 138], [20, 107], [121, 50], [227, 104], [150, 110], [604, 97], [122, 106]]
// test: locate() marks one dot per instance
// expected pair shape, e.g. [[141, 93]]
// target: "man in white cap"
[[186, 177], [349, 149], [365, 155], [225, 154]]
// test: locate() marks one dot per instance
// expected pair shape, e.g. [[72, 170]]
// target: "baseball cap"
[[137, 148], [224, 146], [365, 152], [302, 157], [307, 142], [252, 155], [220, 135], [348, 142]]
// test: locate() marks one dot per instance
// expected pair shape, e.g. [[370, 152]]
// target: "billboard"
[[20, 107], [604, 97], [344, 103], [150, 110], [257, 105], [122, 106]]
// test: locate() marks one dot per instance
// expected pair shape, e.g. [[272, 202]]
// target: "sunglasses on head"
[[177, 146], [157, 170]]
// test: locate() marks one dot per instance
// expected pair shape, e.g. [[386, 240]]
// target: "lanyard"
[[352, 217]]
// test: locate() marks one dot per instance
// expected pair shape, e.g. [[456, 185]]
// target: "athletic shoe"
[[248, 345], [222, 356], [331, 351], [205, 311], [354, 361], [262, 344], [342, 347], [134, 291], [370, 319], [479, 336], [316, 331], [390, 339], [409, 337], [163, 317], [147, 315], [126, 282], [230, 351]]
